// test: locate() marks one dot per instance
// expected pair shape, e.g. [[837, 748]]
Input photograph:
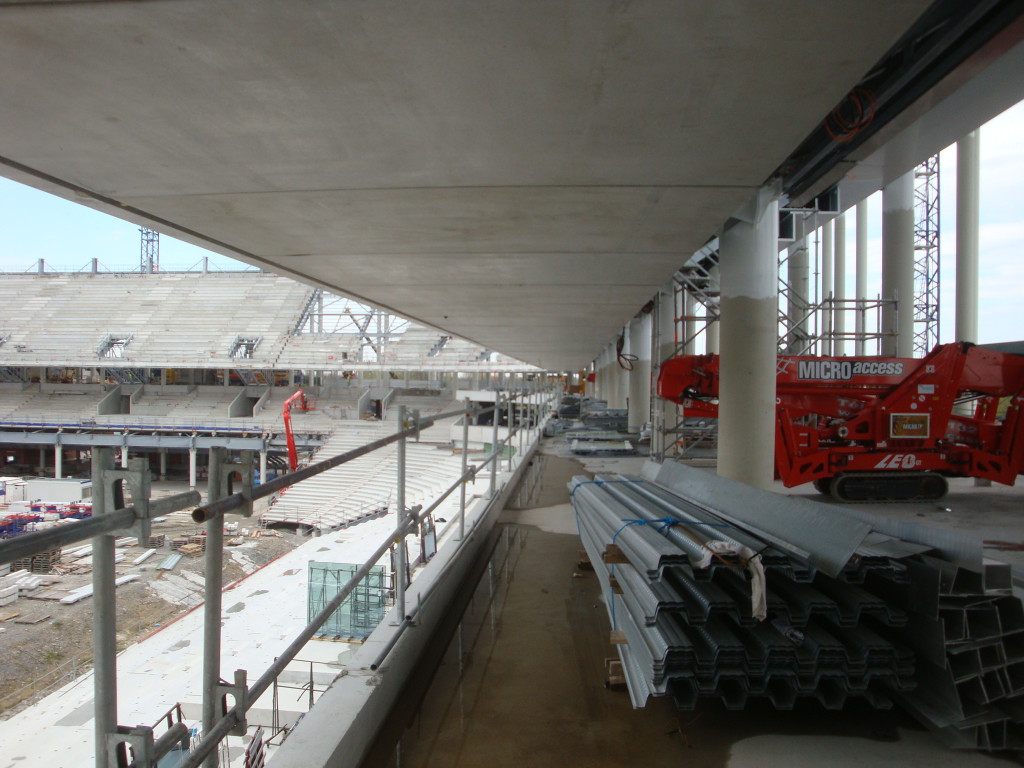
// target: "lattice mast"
[[926, 256], [149, 259]]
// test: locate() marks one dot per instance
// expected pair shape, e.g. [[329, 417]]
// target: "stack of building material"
[[692, 621], [81, 593], [610, 418], [602, 448], [22, 581], [8, 594], [40, 562], [691, 564]]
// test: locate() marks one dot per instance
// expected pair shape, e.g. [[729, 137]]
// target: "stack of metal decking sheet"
[[894, 622]]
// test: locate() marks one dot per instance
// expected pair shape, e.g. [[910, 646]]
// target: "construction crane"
[[881, 428]]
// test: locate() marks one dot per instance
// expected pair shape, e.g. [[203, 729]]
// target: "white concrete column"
[[664, 411], [58, 460], [898, 266], [192, 474], [749, 268], [689, 323], [714, 328], [839, 287], [968, 152], [124, 456], [620, 387], [827, 286], [861, 287], [607, 359], [42, 459], [798, 275], [263, 467], [640, 376], [163, 463]]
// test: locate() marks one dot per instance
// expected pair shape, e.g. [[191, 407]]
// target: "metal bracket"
[[416, 423], [239, 691], [139, 739], [222, 471], [138, 479]]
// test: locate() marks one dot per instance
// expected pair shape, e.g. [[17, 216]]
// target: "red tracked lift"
[[881, 428]]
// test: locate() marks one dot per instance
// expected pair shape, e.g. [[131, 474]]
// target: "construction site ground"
[[45, 642]]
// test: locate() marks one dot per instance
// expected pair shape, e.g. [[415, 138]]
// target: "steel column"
[[465, 466], [213, 593], [402, 554], [104, 616], [496, 417]]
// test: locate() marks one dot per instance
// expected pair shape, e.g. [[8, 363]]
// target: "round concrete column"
[[640, 377], [749, 270], [689, 323], [967, 213], [861, 288], [798, 277], [827, 280], [839, 288], [663, 412], [620, 374], [602, 379], [713, 332], [898, 267]]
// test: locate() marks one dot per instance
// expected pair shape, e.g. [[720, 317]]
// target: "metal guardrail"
[[136, 518]]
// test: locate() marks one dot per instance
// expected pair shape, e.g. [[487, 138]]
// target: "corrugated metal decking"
[[897, 622]]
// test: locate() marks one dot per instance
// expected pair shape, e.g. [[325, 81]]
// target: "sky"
[[35, 225]]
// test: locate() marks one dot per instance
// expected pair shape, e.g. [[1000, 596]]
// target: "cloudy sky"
[[35, 225]]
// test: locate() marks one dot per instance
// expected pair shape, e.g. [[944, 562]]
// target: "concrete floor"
[[532, 691]]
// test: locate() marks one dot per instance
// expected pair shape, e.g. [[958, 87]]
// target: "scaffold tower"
[[926, 256], [149, 261]]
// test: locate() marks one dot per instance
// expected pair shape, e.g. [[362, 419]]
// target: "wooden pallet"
[[41, 562], [192, 550], [35, 619]]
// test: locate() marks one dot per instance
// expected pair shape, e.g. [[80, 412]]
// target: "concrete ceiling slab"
[[414, 154]]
